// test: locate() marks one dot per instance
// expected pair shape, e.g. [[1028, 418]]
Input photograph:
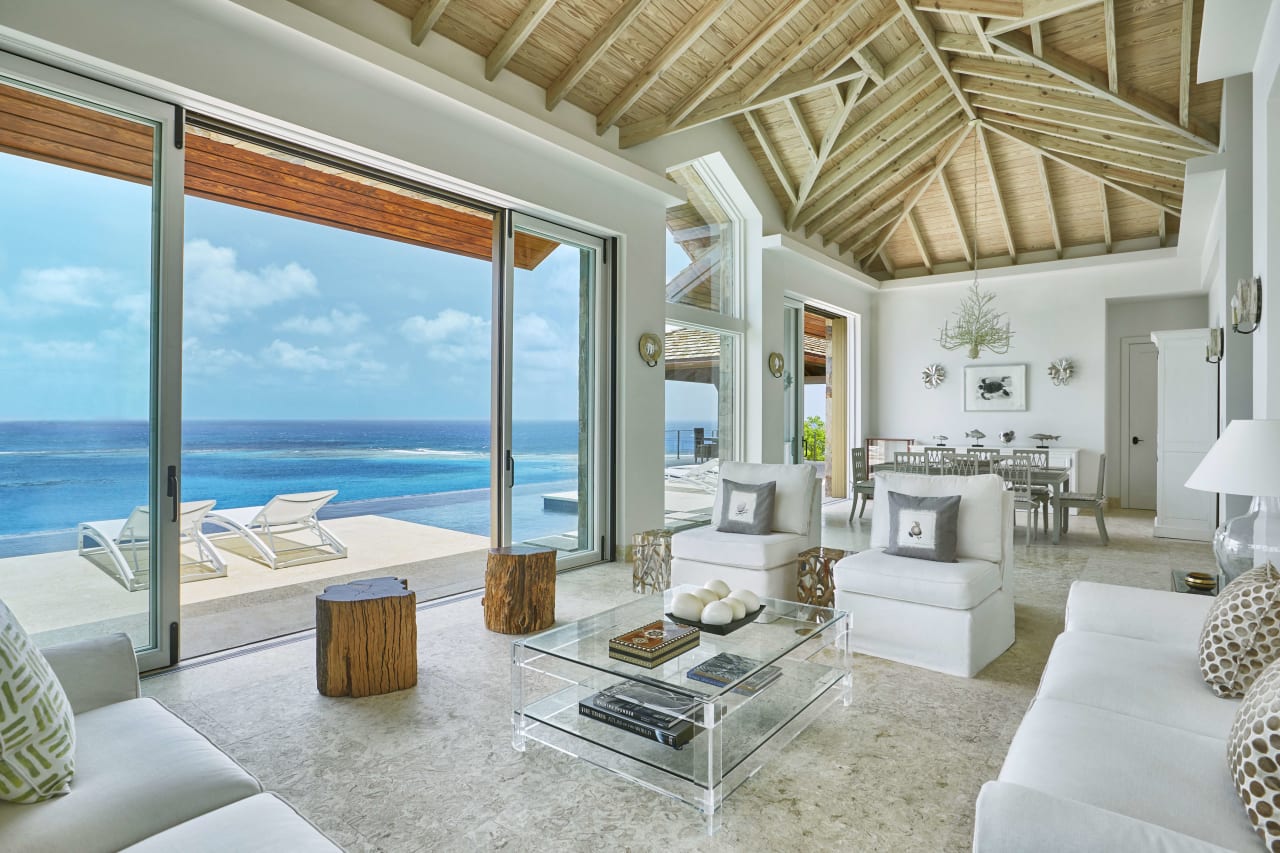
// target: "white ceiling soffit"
[[1229, 37]]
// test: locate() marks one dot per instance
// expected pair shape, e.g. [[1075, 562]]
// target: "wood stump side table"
[[366, 638], [519, 589], [815, 585]]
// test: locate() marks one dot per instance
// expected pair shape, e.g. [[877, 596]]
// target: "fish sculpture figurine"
[[941, 439], [977, 435], [1043, 439]]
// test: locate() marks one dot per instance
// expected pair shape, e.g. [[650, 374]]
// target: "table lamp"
[[1245, 460]]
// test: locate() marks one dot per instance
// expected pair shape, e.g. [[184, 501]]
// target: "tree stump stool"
[[366, 638], [519, 589]]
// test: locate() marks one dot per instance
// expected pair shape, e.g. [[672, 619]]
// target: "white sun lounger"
[[266, 528], [126, 542]]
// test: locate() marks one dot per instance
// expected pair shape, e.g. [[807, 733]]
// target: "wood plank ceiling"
[[911, 134]]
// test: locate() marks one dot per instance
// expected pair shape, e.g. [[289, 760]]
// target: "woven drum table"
[[815, 584]]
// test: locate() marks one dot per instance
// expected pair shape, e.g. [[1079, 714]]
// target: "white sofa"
[[145, 780], [766, 564], [949, 617], [1124, 746]]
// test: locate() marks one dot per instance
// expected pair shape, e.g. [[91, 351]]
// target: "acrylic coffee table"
[[552, 671]]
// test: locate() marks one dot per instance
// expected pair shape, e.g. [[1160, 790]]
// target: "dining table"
[[1052, 477]]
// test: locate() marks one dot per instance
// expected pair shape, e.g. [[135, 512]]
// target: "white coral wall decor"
[[933, 375], [1061, 371]]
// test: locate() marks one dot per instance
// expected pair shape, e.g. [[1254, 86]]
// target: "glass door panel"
[[86, 538], [554, 469]]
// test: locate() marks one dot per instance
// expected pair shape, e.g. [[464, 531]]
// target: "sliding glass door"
[[89, 507], [552, 476]]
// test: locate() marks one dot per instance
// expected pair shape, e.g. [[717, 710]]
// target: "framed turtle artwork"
[[995, 388]]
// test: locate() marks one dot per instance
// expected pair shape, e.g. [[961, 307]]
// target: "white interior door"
[[1138, 448]]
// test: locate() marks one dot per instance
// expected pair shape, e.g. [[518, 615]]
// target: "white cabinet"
[[1186, 427]]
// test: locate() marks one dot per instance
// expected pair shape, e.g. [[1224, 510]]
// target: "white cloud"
[[216, 289], [336, 322], [60, 350], [452, 335], [199, 360], [70, 287], [350, 359], [540, 352]]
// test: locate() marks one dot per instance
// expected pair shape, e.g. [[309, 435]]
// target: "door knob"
[[1136, 440]]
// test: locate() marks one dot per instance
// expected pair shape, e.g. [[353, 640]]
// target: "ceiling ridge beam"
[[924, 30], [766, 30], [854, 46], [1136, 162], [425, 19], [955, 215], [1088, 167], [939, 164], [771, 154], [1094, 82], [1035, 11], [782, 63], [1089, 136], [663, 60], [995, 193], [594, 49], [902, 124], [724, 106], [834, 125], [1137, 131], [515, 36], [928, 136], [1048, 203]]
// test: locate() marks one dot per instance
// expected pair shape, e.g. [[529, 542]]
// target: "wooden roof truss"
[[883, 126]]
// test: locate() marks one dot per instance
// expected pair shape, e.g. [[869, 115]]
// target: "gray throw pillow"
[[746, 507], [924, 528]]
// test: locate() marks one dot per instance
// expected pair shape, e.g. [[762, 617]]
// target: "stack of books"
[[661, 715], [653, 644], [725, 668]]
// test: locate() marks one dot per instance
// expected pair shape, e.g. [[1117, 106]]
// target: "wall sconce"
[[650, 348], [933, 376], [1061, 371], [776, 363], [1213, 352], [1246, 306]]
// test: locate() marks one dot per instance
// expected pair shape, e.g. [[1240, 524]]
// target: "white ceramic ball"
[[687, 606], [739, 608], [717, 613], [748, 598], [707, 595], [719, 587]]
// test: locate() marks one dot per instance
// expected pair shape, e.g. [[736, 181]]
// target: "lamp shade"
[[1245, 460]]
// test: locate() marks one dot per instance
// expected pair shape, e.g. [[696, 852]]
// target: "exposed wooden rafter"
[[1106, 216], [1048, 204], [1109, 32], [515, 36], [919, 241], [1009, 10], [853, 48], [954, 210], [596, 48], [1184, 64], [782, 63], [927, 38], [1001, 212], [1035, 11], [802, 128], [425, 18], [771, 154], [844, 106]]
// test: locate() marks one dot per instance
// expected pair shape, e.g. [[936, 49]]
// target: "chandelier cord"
[[975, 204]]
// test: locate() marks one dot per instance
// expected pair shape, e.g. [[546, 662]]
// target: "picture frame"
[[995, 388]]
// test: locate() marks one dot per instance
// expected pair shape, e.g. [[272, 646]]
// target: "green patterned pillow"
[[37, 730]]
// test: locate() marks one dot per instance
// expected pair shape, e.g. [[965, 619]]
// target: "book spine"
[[653, 733], [707, 679]]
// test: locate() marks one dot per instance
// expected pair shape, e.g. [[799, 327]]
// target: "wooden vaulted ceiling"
[[903, 132]]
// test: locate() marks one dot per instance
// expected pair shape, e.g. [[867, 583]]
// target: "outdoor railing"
[[679, 442]]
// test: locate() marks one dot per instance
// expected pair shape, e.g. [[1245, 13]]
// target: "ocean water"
[[55, 474]]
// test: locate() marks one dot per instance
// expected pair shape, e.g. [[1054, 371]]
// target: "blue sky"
[[282, 319]]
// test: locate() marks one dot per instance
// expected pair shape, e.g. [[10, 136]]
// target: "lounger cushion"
[[260, 824], [139, 770], [37, 729]]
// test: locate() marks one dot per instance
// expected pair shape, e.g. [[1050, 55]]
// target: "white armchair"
[[950, 617], [766, 564]]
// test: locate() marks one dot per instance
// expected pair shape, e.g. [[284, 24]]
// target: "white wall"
[[1266, 217], [220, 56], [1054, 314], [1131, 318]]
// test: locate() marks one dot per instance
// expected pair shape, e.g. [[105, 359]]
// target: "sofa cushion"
[[981, 509], [1150, 681], [1158, 615], [262, 823], [708, 545], [1253, 755], [37, 729], [139, 770], [793, 496], [923, 528], [746, 508], [961, 585], [1164, 775], [1241, 634]]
